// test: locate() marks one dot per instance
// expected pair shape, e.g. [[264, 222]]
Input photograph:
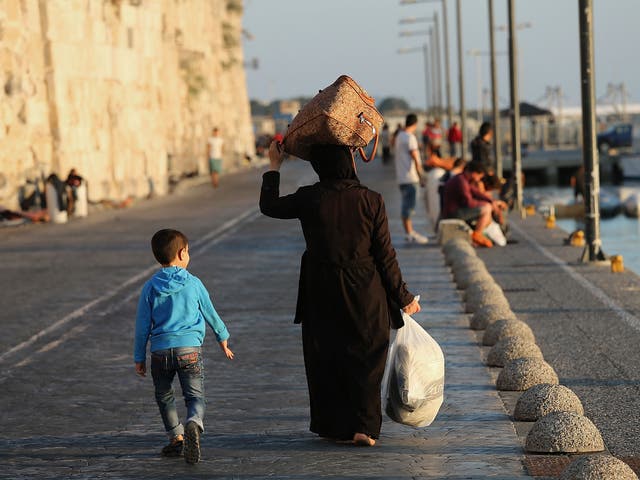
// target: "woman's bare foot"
[[363, 440]]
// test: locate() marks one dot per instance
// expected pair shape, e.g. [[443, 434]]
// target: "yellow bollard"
[[617, 265], [551, 221], [577, 238], [531, 210]]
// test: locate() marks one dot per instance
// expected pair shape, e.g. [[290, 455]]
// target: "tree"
[[390, 104]]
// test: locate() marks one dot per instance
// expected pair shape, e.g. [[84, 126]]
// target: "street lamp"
[[425, 50], [447, 69], [474, 52]]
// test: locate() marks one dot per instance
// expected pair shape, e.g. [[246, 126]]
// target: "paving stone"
[[97, 419], [545, 398], [564, 432]]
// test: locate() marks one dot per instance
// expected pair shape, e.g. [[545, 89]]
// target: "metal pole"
[[593, 249], [515, 108], [438, 62], [425, 49], [447, 69], [497, 147], [463, 113], [434, 71]]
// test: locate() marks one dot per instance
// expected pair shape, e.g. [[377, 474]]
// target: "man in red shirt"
[[454, 137], [461, 199]]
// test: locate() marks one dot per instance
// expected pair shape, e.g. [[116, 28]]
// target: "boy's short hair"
[[410, 120], [166, 244]]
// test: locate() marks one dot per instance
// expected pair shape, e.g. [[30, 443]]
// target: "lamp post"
[[463, 123], [497, 147], [512, 27], [593, 248], [445, 32], [425, 50], [515, 107], [433, 41]]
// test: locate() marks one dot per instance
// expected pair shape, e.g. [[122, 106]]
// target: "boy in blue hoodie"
[[173, 309]]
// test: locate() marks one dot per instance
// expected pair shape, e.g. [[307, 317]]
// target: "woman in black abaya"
[[350, 291]]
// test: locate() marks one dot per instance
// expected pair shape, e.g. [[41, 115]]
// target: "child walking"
[[173, 308]]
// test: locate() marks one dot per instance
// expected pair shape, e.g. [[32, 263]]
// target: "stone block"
[[542, 399], [523, 373], [452, 228], [507, 328], [598, 467], [564, 432], [511, 348]]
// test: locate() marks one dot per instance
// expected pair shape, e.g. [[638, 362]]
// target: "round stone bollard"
[[523, 373], [458, 244], [465, 279], [459, 254], [564, 432], [481, 298], [506, 328], [511, 348], [490, 313], [542, 399], [473, 267], [598, 467]]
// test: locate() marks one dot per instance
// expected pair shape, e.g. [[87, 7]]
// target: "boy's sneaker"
[[415, 237], [174, 449], [192, 442]]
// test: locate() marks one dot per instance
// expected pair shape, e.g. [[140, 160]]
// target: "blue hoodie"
[[173, 309]]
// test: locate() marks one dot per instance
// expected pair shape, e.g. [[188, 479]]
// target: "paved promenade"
[[73, 408]]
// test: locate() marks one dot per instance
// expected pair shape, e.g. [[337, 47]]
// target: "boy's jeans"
[[187, 363]]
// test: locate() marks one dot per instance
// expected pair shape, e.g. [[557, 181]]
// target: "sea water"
[[620, 235]]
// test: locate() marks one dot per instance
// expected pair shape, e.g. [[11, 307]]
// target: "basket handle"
[[361, 151]]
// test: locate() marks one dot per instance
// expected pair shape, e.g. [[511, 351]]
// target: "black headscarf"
[[333, 162]]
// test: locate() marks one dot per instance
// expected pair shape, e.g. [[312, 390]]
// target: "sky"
[[304, 45]]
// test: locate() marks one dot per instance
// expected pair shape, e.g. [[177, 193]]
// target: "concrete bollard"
[[564, 432], [523, 373], [542, 399], [489, 313], [511, 348], [598, 467], [507, 328]]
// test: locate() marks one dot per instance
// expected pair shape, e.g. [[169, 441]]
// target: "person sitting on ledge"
[[461, 199]]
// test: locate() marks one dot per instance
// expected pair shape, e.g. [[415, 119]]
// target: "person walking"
[[173, 310], [350, 291], [454, 137], [409, 175], [215, 150]]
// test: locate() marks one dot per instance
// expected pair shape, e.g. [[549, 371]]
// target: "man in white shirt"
[[215, 146], [409, 175]]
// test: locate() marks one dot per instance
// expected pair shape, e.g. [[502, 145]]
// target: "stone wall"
[[126, 91]]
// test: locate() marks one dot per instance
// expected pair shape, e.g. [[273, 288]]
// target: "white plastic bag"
[[413, 382], [495, 234]]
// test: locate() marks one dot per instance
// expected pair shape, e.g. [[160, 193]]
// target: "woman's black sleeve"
[[272, 204], [386, 261]]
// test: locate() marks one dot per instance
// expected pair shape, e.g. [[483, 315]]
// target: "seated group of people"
[[466, 189]]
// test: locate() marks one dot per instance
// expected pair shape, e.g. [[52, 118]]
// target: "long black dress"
[[350, 292]]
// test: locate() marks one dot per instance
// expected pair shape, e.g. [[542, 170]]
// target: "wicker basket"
[[341, 114]]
